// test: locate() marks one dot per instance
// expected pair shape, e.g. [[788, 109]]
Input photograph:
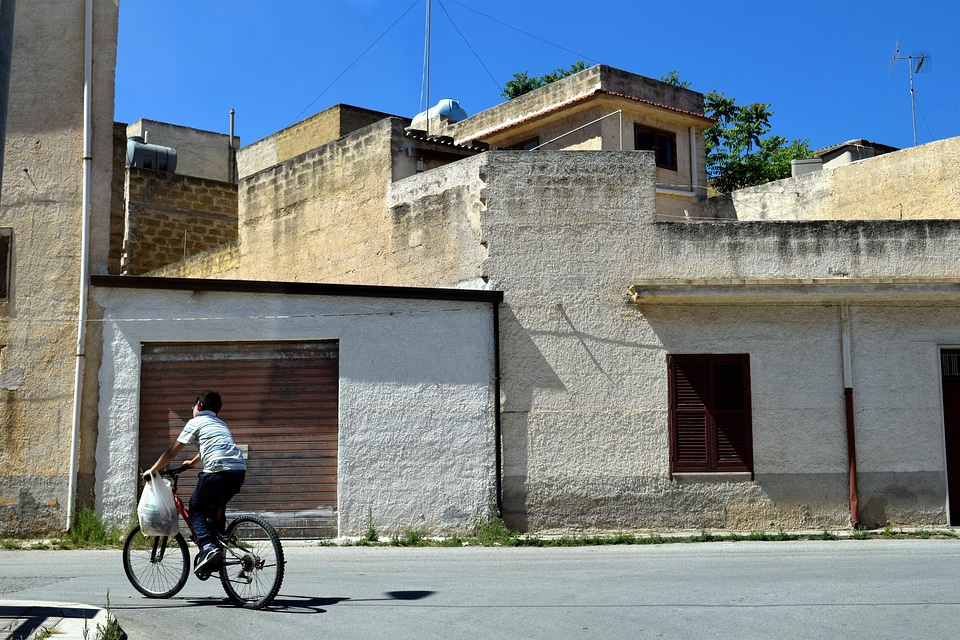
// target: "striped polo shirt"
[[217, 449]]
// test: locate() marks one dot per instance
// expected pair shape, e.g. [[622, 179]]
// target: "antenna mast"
[[426, 67], [921, 60]]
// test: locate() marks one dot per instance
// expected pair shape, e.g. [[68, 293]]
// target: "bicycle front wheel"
[[156, 566], [253, 562]]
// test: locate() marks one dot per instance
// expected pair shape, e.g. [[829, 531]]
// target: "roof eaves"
[[295, 288], [581, 98]]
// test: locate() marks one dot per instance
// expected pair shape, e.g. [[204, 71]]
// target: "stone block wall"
[[171, 217], [219, 263], [318, 130], [117, 195], [330, 204]]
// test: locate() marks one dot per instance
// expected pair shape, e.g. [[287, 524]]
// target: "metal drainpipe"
[[848, 412], [84, 253], [497, 430]]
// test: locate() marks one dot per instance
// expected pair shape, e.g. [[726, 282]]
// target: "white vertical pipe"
[[84, 253]]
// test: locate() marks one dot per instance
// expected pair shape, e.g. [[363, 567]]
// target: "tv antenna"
[[922, 62]]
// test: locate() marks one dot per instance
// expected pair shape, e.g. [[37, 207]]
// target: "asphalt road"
[[810, 589]]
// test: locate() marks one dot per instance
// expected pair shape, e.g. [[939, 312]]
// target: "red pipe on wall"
[[852, 457]]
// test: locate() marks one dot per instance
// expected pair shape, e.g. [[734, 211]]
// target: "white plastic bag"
[[157, 511]]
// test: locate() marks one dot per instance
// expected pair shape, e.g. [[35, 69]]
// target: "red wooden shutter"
[[710, 422], [731, 413], [690, 393]]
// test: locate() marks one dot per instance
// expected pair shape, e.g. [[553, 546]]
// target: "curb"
[[24, 620]]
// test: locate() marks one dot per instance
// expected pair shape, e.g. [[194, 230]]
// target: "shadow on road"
[[282, 603]]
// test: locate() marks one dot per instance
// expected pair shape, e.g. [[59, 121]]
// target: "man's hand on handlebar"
[[187, 464]]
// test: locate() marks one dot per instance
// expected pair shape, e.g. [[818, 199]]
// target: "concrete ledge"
[[22, 620]]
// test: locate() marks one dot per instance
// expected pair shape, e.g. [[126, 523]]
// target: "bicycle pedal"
[[203, 576]]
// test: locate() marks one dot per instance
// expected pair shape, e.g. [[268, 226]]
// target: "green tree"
[[673, 77], [738, 153], [523, 83]]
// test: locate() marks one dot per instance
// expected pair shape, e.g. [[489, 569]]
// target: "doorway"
[[950, 370]]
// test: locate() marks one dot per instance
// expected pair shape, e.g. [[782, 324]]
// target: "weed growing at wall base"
[[88, 530], [494, 533]]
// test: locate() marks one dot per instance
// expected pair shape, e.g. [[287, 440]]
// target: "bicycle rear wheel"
[[252, 570], [157, 567]]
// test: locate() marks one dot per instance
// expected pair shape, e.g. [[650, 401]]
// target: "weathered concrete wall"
[[919, 183], [585, 421], [170, 217], [201, 154], [584, 371], [416, 430], [330, 203], [218, 263], [598, 109], [301, 137], [42, 204]]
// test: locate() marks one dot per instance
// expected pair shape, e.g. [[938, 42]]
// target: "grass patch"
[[859, 533], [493, 532], [88, 531], [410, 538]]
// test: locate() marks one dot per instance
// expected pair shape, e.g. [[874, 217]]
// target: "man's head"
[[209, 401]]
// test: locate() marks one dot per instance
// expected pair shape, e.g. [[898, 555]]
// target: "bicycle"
[[251, 570]]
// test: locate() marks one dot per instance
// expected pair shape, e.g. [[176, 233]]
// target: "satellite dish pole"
[[921, 60]]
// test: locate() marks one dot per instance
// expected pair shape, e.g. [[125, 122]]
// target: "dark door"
[[951, 425]]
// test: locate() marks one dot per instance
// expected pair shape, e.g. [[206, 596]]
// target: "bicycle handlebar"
[[173, 473]]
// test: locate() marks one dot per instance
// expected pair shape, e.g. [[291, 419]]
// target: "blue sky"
[[824, 66]]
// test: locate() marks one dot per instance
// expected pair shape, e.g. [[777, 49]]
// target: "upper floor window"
[[527, 145], [710, 417], [662, 143]]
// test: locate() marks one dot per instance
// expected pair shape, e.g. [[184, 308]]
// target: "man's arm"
[[165, 458]]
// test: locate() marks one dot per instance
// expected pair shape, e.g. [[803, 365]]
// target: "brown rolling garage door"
[[280, 402]]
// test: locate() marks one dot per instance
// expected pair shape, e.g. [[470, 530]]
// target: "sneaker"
[[207, 560]]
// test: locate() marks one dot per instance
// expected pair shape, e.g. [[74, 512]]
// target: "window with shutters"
[[710, 421]]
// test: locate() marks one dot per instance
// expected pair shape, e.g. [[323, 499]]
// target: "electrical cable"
[[469, 46], [526, 33], [356, 60]]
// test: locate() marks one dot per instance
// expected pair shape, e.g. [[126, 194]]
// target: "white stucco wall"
[[585, 407], [416, 436]]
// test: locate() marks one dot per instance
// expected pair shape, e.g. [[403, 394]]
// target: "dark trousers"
[[208, 502]]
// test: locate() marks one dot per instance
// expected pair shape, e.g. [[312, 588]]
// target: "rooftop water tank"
[[150, 156], [446, 107]]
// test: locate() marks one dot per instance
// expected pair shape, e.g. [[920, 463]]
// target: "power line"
[[526, 33], [350, 66], [475, 55]]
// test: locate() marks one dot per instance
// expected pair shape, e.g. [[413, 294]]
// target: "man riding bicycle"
[[223, 473]]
